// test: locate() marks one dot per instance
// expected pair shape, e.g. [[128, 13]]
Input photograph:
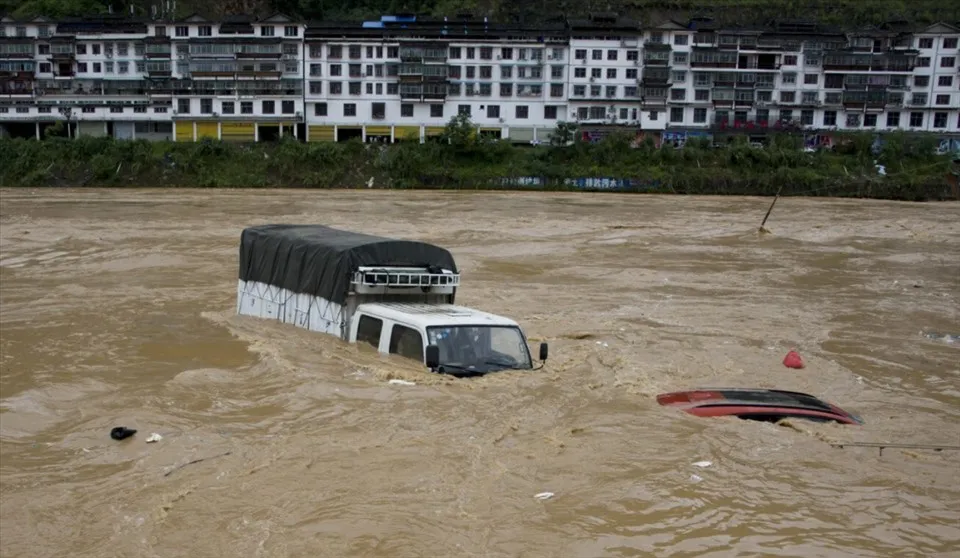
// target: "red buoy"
[[793, 360]]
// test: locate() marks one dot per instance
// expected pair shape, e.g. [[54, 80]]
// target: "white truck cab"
[[447, 338], [395, 295]]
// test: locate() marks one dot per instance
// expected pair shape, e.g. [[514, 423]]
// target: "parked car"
[[768, 405]]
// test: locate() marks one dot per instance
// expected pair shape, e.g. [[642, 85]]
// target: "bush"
[[463, 159]]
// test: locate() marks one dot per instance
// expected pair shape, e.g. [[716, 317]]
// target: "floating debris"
[[703, 464], [401, 382], [121, 432], [544, 496], [154, 438]]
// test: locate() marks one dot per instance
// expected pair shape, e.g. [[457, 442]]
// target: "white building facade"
[[403, 78]]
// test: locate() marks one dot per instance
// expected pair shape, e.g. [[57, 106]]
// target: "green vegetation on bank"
[[855, 13], [464, 160]]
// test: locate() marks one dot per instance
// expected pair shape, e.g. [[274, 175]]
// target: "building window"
[[97, 68], [943, 99], [939, 120], [947, 62], [811, 79], [206, 106], [611, 54], [246, 107], [316, 87], [350, 109], [463, 110], [921, 81], [205, 31], [183, 106], [436, 111], [320, 109], [556, 90], [853, 120], [916, 119], [925, 42], [580, 54], [945, 81], [268, 107], [406, 110], [378, 111], [493, 111], [116, 110], [182, 31], [893, 119], [550, 112], [869, 120], [676, 115], [790, 60], [287, 107], [596, 54], [291, 31], [266, 30], [829, 118], [611, 73], [923, 62], [681, 40], [227, 107], [949, 42], [95, 49]]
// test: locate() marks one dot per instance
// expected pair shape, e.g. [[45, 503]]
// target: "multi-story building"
[[404, 78]]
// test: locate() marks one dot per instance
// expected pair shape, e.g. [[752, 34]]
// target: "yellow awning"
[[208, 130], [184, 131], [434, 130], [237, 131], [378, 130], [322, 133], [406, 132]]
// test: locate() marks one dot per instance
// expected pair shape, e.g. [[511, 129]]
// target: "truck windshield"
[[479, 349]]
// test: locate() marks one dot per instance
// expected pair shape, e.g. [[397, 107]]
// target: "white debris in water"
[[695, 478], [602, 344], [401, 383], [544, 496], [703, 464], [154, 438]]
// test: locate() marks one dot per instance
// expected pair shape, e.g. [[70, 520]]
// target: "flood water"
[[118, 308]]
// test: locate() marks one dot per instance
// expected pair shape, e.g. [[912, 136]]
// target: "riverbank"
[[903, 169]]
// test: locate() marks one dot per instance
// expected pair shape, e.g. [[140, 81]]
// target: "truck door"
[[406, 342]]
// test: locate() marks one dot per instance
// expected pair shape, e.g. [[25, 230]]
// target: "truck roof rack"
[[379, 280]]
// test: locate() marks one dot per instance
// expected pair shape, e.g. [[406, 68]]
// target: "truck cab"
[[447, 338]]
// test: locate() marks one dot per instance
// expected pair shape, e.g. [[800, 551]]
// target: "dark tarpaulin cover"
[[319, 260]]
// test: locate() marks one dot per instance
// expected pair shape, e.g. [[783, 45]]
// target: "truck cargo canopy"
[[319, 260]]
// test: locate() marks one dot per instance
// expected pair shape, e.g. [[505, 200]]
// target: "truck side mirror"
[[543, 351], [433, 357]]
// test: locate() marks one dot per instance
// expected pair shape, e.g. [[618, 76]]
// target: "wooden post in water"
[[767, 216]]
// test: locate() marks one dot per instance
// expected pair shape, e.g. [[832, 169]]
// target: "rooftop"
[[427, 315]]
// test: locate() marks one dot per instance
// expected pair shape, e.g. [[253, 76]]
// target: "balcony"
[[713, 59], [725, 124], [865, 99], [16, 51], [656, 76]]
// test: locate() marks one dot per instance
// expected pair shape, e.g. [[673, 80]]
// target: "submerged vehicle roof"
[[750, 402], [427, 315]]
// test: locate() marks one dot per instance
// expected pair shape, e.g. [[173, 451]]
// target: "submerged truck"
[[396, 295]]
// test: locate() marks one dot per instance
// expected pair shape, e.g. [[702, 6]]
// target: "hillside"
[[849, 12]]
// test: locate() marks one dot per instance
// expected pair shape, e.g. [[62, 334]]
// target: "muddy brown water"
[[117, 308]]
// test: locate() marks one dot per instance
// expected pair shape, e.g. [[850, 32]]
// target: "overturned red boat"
[[768, 405]]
